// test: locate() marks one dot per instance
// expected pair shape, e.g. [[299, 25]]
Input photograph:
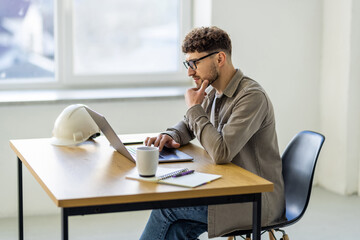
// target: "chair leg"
[[284, 235], [271, 234], [248, 237]]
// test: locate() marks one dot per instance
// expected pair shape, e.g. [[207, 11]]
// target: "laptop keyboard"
[[132, 151]]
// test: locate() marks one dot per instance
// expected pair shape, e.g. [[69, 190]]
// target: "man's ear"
[[221, 58]]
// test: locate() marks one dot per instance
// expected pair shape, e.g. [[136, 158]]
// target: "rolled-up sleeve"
[[180, 132]]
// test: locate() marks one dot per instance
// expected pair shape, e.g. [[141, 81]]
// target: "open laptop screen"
[[166, 155]]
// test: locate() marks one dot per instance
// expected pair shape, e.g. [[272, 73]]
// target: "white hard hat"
[[74, 125]]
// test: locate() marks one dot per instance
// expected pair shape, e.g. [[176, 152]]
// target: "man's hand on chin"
[[195, 96]]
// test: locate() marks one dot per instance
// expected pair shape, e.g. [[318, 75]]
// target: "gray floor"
[[329, 216]]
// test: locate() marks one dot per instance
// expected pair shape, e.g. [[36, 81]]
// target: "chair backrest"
[[299, 161]]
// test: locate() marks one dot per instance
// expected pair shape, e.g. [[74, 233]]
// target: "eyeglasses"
[[192, 63]]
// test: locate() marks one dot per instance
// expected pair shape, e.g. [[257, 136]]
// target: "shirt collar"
[[233, 84], [230, 88]]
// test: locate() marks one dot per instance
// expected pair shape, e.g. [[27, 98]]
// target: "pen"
[[184, 173]]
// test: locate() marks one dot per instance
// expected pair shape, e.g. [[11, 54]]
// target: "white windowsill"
[[67, 95]]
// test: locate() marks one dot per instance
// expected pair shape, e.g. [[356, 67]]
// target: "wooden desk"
[[90, 179]]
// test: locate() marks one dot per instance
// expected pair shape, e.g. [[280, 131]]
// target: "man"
[[233, 119]]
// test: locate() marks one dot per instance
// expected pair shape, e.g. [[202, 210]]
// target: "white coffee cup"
[[147, 160]]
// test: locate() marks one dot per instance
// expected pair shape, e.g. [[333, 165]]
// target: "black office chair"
[[298, 166]]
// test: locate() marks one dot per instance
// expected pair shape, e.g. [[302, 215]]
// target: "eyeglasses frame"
[[187, 63]]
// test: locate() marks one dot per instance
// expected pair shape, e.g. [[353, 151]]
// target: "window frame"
[[65, 78]]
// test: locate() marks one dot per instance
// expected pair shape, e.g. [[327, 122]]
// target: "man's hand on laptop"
[[161, 140]]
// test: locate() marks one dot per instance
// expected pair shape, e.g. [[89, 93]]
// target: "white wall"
[[340, 100], [354, 89], [353, 161]]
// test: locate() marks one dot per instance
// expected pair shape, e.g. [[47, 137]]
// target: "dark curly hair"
[[206, 39]]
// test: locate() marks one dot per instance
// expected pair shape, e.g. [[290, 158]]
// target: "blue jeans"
[[176, 223]]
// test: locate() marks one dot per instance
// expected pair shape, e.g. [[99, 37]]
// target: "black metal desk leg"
[[257, 217], [64, 224], [20, 199]]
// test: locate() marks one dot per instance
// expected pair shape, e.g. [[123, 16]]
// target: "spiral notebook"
[[166, 176]]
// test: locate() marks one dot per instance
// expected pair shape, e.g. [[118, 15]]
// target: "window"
[[107, 42], [26, 40]]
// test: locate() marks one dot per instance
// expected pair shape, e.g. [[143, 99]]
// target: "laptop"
[[165, 156]]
